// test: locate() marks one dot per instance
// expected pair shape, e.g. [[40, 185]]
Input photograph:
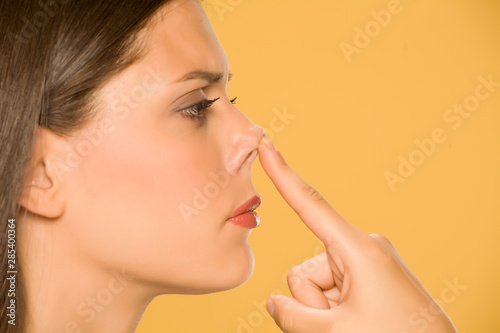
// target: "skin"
[[113, 228], [359, 284], [122, 207]]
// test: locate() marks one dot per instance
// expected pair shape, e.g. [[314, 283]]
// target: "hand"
[[359, 284]]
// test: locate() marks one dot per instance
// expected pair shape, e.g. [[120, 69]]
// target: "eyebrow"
[[210, 77]]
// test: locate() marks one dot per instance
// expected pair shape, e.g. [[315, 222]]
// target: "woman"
[[118, 112]]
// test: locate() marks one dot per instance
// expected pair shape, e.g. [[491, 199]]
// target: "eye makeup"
[[197, 111]]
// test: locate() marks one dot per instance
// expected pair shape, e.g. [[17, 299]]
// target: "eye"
[[198, 111]]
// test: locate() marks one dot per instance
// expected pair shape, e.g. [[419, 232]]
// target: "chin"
[[236, 271], [241, 273]]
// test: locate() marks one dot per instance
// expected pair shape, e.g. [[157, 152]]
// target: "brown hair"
[[56, 55]]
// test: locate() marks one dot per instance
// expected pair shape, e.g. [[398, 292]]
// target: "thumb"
[[292, 316]]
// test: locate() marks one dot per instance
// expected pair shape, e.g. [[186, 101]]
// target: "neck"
[[67, 292]]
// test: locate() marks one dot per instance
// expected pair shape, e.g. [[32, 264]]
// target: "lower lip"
[[247, 220]]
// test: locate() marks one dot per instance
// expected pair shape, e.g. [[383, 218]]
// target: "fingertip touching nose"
[[244, 143]]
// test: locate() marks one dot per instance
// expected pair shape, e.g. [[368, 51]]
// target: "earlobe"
[[42, 202], [41, 194]]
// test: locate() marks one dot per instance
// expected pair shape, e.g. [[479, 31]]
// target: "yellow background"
[[352, 121]]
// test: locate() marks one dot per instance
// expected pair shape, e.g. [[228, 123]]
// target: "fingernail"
[[270, 306], [268, 141]]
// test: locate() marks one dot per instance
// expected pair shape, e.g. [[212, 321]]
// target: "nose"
[[243, 138]]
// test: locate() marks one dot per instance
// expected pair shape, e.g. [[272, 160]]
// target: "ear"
[[42, 192]]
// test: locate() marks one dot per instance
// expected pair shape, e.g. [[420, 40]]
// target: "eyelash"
[[197, 111]]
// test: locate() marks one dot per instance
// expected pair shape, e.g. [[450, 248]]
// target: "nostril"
[[244, 149], [247, 161], [251, 157]]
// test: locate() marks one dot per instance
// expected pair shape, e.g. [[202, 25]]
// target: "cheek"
[[127, 206]]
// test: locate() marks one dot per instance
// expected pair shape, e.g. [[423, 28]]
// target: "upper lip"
[[248, 206]]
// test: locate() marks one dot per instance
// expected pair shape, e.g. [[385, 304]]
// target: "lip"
[[248, 206], [244, 215]]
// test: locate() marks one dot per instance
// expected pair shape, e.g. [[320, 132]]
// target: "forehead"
[[181, 39]]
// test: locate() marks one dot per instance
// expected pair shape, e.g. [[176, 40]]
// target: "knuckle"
[[293, 276], [311, 192], [291, 273], [382, 239], [380, 251]]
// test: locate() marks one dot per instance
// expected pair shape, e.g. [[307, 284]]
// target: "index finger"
[[309, 205]]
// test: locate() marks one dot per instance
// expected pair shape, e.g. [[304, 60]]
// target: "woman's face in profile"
[[153, 197]]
